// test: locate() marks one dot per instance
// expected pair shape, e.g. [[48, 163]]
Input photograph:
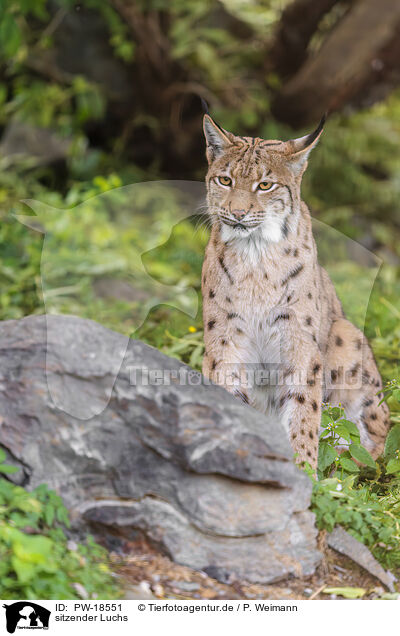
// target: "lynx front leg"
[[224, 359], [299, 395], [301, 408]]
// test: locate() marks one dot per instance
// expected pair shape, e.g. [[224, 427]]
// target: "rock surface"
[[343, 542], [210, 481]]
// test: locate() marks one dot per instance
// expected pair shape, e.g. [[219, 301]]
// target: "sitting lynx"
[[269, 307]]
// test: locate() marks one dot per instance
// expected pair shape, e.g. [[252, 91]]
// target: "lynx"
[[274, 329]]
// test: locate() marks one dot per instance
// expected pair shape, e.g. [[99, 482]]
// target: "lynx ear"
[[216, 137], [299, 149]]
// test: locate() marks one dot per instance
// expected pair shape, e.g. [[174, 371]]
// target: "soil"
[[147, 574]]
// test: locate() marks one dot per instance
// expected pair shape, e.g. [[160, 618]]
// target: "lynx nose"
[[239, 214]]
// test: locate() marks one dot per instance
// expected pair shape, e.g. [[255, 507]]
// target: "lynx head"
[[253, 184]]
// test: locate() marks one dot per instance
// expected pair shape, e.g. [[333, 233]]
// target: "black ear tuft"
[[204, 106], [312, 136], [218, 139]]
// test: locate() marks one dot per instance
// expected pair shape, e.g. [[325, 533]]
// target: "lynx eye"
[[225, 181], [266, 185]]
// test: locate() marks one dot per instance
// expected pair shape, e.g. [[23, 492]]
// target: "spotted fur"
[[275, 333]]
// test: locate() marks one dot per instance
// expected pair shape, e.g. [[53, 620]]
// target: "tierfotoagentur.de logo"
[[26, 615]]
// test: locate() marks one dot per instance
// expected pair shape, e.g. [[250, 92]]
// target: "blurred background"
[[97, 95]]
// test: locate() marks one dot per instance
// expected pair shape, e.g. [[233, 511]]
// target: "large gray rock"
[[208, 479]]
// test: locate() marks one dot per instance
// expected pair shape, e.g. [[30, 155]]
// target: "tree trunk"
[[298, 23], [350, 58]]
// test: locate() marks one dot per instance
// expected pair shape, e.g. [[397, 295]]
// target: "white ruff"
[[252, 244]]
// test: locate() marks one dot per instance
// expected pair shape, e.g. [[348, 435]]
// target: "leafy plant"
[[392, 389], [189, 348], [392, 444], [364, 500], [36, 558], [364, 510], [337, 430]]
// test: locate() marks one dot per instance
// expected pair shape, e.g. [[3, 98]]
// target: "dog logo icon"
[[26, 615]]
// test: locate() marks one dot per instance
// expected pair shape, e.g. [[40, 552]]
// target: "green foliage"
[[36, 558], [356, 175], [392, 389], [337, 430], [392, 445], [370, 512], [189, 348], [364, 500]]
